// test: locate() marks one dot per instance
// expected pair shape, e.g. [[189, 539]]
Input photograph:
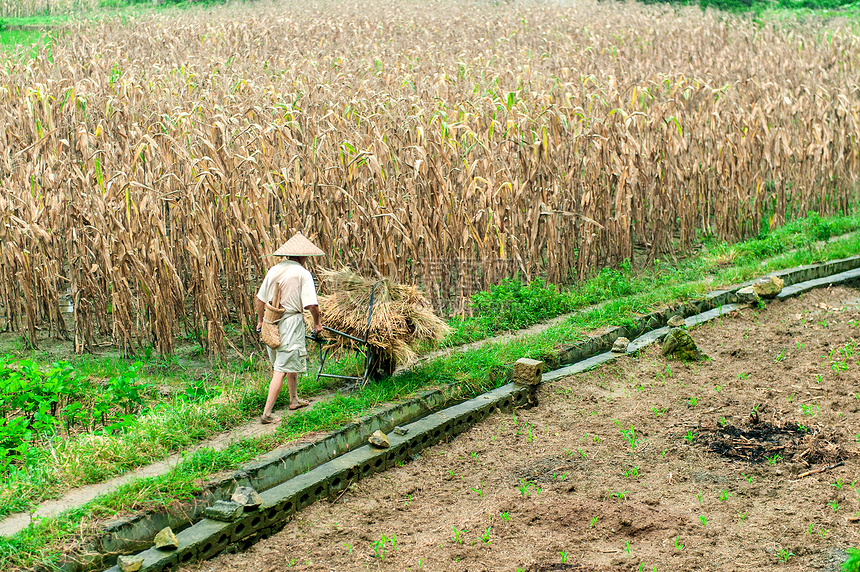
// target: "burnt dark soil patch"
[[764, 441]]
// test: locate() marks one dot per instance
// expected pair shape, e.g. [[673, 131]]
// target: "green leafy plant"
[[629, 435], [485, 537], [459, 535], [852, 564], [527, 487], [785, 554]]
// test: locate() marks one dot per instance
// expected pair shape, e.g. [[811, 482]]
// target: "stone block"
[[528, 371]]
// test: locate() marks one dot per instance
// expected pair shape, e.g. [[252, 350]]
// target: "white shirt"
[[297, 293]]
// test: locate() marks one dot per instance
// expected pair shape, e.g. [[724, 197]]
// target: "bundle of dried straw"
[[402, 316]]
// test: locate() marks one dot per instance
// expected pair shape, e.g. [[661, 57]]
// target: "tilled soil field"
[[643, 464]]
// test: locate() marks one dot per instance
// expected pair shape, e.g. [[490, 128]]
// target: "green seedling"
[[725, 495], [774, 459], [678, 546], [743, 376], [486, 536], [658, 412], [742, 516], [718, 388], [632, 473], [780, 357], [593, 522], [527, 487], [837, 484], [703, 520], [834, 505], [785, 554], [506, 516], [582, 454], [479, 489], [459, 535], [627, 547], [620, 494], [348, 547], [563, 554], [699, 496], [722, 421], [692, 401], [690, 436], [474, 454]]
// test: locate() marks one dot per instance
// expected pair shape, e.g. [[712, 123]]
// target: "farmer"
[[297, 294]]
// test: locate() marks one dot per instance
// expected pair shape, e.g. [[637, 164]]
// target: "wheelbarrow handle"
[[315, 336]]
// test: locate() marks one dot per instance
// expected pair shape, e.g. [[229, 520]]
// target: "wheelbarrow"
[[373, 361]]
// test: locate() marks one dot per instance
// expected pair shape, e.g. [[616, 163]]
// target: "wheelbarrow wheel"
[[381, 366]]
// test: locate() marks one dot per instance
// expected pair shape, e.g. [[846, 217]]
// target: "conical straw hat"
[[299, 246]]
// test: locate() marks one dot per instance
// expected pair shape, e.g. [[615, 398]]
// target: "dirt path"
[[712, 476]]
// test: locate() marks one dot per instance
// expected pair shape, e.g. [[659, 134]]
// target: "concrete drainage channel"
[[332, 464]]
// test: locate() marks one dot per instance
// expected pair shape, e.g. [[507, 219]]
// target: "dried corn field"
[[24, 8], [149, 166]]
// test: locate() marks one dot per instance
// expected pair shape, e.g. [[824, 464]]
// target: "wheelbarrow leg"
[[369, 359]]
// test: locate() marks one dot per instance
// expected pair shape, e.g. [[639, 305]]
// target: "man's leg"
[[275, 390], [292, 386]]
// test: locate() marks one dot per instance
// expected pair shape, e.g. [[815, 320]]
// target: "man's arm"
[[260, 307], [315, 314]]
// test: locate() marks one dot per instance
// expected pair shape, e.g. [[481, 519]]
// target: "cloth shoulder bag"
[[270, 333]]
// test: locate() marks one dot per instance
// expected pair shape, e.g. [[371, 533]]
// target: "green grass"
[[465, 374]]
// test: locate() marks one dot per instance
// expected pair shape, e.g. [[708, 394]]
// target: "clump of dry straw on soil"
[[402, 316]]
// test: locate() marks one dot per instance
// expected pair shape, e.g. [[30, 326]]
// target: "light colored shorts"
[[288, 362]]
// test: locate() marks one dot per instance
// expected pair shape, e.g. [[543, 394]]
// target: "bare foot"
[[298, 404]]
